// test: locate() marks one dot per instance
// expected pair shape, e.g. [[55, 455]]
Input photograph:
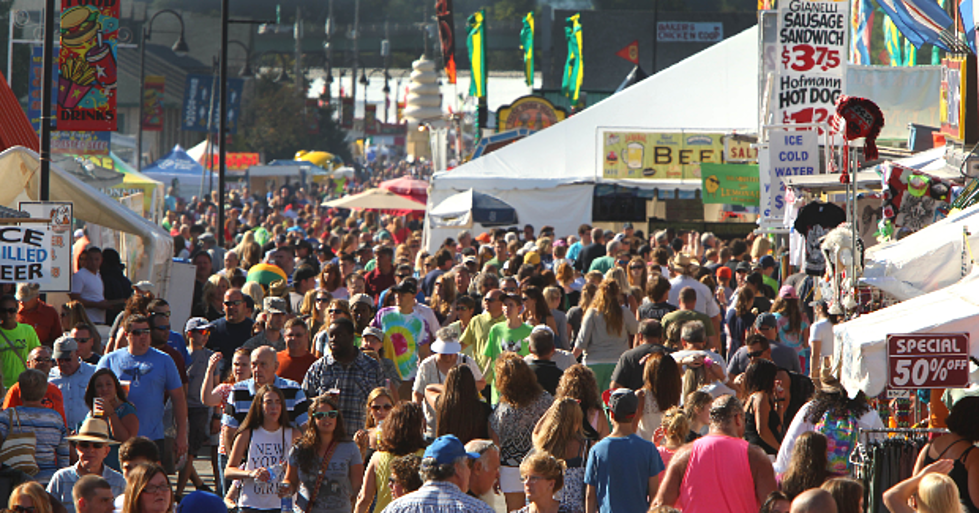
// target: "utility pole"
[[353, 75], [329, 52], [297, 33]]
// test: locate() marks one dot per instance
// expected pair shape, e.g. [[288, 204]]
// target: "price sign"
[[807, 58], [928, 360]]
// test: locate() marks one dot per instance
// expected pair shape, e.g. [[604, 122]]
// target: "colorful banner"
[[730, 184], [447, 37], [531, 112], [527, 48], [153, 103], [197, 103], [232, 161], [574, 67], [658, 155], [476, 43], [812, 48], [921, 21], [861, 26], [34, 88], [81, 143], [87, 65]]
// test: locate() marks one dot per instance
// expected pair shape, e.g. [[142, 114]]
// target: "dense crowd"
[[331, 364]]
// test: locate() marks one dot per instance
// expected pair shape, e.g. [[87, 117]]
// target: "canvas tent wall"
[[20, 172], [549, 177]]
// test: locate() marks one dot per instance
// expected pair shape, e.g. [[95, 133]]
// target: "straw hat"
[[683, 262], [94, 430], [829, 382]]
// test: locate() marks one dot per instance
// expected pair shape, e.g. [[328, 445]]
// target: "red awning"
[[15, 128]]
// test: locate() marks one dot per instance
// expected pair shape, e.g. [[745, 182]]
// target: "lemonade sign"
[[658, 155]]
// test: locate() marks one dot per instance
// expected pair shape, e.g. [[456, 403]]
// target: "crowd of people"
[[516, 368]]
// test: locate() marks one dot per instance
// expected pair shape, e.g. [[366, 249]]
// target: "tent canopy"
[[286, 168], [20, 171], [469, 206], [376, 199], [178, 165]]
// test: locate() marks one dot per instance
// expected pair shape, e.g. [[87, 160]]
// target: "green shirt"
[[23, 338], [603, 264], [502, 338], [771, 282], [475, 337], [688, 315]]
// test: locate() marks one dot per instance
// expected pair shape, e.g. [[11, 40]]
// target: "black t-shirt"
[[628, 372], [548, 375], [587, 254], [655, 310], [227, 337], [815, 220]]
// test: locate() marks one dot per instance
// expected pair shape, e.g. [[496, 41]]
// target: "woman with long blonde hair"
[[331, 279], [338, 308], [606, 332], [626, 297], [147, 490], [379, 404], [676, 427], [559, 434], [314, 306], [578, 383], [212, 297], [577, 312], [29, 497]]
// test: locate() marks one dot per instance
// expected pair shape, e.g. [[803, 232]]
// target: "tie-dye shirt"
[[403, 334]]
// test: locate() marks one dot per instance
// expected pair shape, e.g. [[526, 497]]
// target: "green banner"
[[477, 54], [730, 184], [574, 67], [527, 47]]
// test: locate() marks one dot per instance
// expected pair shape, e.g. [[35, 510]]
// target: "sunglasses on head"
[[332, 414]]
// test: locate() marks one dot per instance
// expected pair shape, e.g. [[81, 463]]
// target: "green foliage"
[[507, 10]]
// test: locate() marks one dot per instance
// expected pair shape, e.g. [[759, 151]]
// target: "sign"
[[729, 184], [34, 88], [951, 105], [689, 32], [87, 65], [197, 103], [25, 253], [530, 112], [61, 213], [812, 54], [81, 143], [370, 118], [738, 150], [346, 113], [928, 360], [658, 155], [153, 103], [790, 153], [232, 161]]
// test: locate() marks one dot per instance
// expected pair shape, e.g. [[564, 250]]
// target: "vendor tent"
[[549, 177], [20, 173], [861, 345], [178, 165], [469, 207]]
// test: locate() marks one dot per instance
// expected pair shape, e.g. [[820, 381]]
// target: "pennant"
[[476, 42], [969, 9], [527, 47], [630, 52], [447, 36], [921, 21], [574, 67]]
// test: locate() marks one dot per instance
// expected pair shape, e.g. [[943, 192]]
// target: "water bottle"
[[287, 504]]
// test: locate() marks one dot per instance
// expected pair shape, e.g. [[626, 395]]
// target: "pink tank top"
[[718, 477]]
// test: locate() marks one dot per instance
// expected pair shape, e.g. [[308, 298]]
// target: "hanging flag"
[[87, 66], [476, 42], [892, 40], [970, 13], [447, 36], [630, 52], [527, 47], [861, 23], [921, 21], [910, 53], [574, 67]]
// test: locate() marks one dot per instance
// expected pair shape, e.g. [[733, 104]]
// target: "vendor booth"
[[275, 174], [191, 177]]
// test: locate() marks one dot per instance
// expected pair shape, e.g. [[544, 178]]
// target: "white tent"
[[549, 177], [20, 170], [861, 343]]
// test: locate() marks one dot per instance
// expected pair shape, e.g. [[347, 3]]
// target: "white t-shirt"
[[90, 288], [706, 304], [822, 330], [429, 374]]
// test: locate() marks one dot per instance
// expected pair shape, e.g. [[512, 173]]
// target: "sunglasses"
[[90, 445], [402, 276], [162, 327], [335, 311], [10, 311], [141, 331], [322, 299], [236, 302], [42, 360], [165, 314], [379, 407], [82, 340], [332, 414], [623, 262], [635, 267], [22, 509], [461, 309], [755, 354]]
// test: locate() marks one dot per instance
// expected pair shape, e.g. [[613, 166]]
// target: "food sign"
[[658, 155], [928, 360], [59, 259], [25, 253], [812, 53], [87, 65]]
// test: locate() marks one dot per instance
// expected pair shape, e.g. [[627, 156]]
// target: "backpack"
[[841, 438]]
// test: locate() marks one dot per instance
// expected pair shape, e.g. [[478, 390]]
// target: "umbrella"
[[469, 207], [408, 186], [376, 199], [344, 172], [265, 274]]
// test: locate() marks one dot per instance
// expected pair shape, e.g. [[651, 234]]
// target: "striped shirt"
[[49, 430], [355, 381], [438, 497], [243, 392]]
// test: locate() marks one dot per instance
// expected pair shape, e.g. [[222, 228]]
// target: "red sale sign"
[[928, 360]]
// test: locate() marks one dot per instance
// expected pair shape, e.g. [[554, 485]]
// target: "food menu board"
[[650, 155]]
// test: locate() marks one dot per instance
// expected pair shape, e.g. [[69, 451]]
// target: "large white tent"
[[549, 177]]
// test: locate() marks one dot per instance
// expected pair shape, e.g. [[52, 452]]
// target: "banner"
[[87, 65], [346, 113], [527, 47], [25, 253], [658, 155], [790, 153], [476, 43], [574, 67], [689, 32], [952, 102], [34, 88], [233, 161], [630, 52], [921, 21], [370, 118], [197, 103], [60, 213], [861, 26], [81, 143], [447, 36], [730, 184], [153, 103], [812, 39]]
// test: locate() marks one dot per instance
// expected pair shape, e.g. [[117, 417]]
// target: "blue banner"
[[197, 103], [34, 88]]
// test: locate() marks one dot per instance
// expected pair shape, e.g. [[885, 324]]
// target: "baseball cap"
[[361, 298], [199, 501], [532, 257], [766, 261], [724, 272], [196, 324], [767, 320], [275, 305], [788, 292], [623, 403], [374, 332], [63, 347], [626, 225], [28, 291], [145, 286], [446, 449], [743, 267]]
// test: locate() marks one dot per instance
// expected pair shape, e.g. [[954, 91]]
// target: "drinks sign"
[[87, 65]]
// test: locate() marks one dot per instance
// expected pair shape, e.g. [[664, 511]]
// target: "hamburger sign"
[[87, 65]]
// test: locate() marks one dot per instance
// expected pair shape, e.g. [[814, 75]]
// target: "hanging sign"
[[790, 153], [87, 65], [689, 32], [729, 184], [25, 253], [198, 102], [928, 360], [153, 103], [812, 54], [658, 155], [61, 213], [951, 104]]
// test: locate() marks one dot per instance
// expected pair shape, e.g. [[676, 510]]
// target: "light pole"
[[246, 70], [364, 81], [179, 48]]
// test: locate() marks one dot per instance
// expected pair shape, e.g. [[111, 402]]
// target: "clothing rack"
[[868, 469]]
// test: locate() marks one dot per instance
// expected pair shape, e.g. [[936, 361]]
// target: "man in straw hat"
[[92, 444], [684, 269]]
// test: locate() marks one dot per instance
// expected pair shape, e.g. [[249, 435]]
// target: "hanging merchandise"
[[856, 118], [574, 67], [814, 221], [913, 200], [841, 256], [527, 48]]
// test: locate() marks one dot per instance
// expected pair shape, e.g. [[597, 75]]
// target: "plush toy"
[[839, 252]]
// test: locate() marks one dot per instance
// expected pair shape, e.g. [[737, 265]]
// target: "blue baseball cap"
[[201, 502], [446, 449]]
